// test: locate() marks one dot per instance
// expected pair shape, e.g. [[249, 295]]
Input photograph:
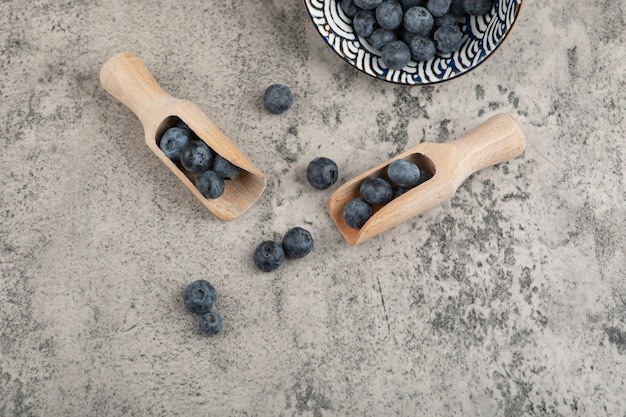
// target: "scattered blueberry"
[[268, 256], [418, 20], [322, 172], [438, 7], [357, 212], [396, 55], [448, 39], [211, 323], [297, 243], [422, 48], [224, 168], [477, 7], [199, 297], [404, 173], [173, 141], [381, 37], [364, 23], [368, 4], [196, 156], [277, 98], [210, 184], [349, 8], [389, 14], [376, 191]]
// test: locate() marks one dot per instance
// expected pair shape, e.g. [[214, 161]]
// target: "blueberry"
[[224, 168], [407, 4], [456, 8], [477, 7], [211, 323], [367, 4], [438, 7], [277, 98], [199, 297], [424, 176], [395, 55], [376, 191], [173, 141], [398, 191], [268, 256], [381, 37], [322, 173], [404, 173], [297, 243], [446, 19], [349, 8], [196, 156], [422, 48], [389, 14], [418, 20], [448, 39], [357, 212], [364, 23], [210, 184]]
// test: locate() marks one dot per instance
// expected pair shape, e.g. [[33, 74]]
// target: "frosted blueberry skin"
[[199, 297], [357, 212], [438, 7], [445, 20], [477, 7], [389, 14], [395, 55], [210, 184], [407, 4], [403, 173], [349, 8], [364, 23], [277, 98], [422, 48], [224, 168], [448, 39], [368, 4], [297, 243], [322, 172], [456, 8], [173, 141], [196, 156], [210, 323], [381, 37], [376, 191], [268, 256], [418, 20]]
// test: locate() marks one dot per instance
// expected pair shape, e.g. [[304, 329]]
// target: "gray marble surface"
[[508, 300]]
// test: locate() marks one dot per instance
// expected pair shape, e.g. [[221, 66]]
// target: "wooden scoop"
[[126, 78], [498, 139]]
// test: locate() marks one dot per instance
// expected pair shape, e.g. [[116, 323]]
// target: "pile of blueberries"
[[378, 191], [187, 150], [412, 29], [200, 297]]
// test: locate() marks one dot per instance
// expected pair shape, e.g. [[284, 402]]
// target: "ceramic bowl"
[[482, 35]]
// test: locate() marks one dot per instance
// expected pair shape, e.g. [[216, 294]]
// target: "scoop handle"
[[498, 139], [126, 78]]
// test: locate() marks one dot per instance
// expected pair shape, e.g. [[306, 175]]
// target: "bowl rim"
[[398, 82]]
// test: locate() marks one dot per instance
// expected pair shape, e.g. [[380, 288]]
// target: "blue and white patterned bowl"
[[482, 35]]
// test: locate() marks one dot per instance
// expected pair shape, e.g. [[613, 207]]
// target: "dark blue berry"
[[381, 37], [448, 39], [418, 20], [199, 297], [456, 8], [224, 168], [210, 184], [398, 191], [268, 256], [173, 141], [407, 4], [446, 19], [349, 8], [322, 172], [297, 243], [277, 98], [364, 23], [211, 323], [438, 7], [422, 48], [395, 55], [424, 176], [404, 173], [477, 7], [357, 212], [376, 191], [389, 14], [367, 4], [196, 156]]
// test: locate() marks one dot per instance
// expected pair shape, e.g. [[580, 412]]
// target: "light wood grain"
[[498, 139], [126, 78]]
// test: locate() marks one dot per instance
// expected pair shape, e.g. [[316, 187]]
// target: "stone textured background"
[[509, 300]]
